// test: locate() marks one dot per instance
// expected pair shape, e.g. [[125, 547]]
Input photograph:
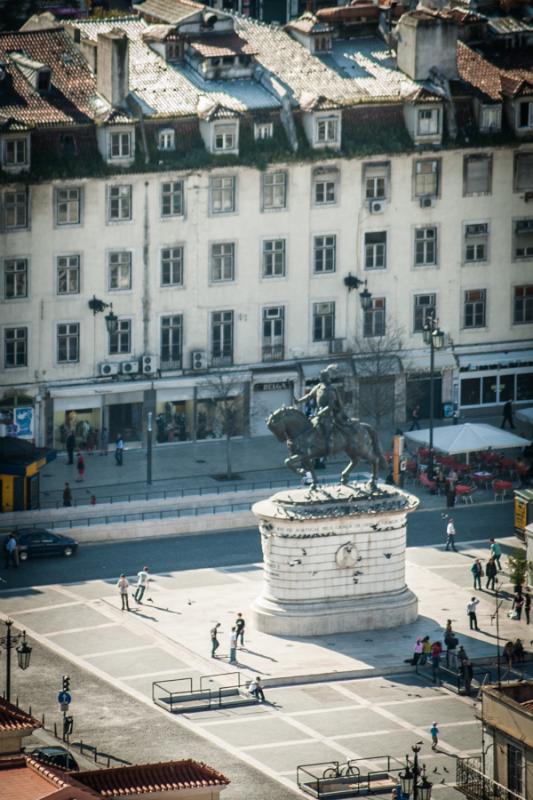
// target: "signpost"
[[64, 698]]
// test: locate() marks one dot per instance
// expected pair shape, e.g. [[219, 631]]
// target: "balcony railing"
[[273, 352], [222, 360], [171, 363], [474, 784]]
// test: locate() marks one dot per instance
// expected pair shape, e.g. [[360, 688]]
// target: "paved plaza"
[[375, 706]]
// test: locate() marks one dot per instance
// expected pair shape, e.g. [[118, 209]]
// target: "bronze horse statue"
[[306, 442]]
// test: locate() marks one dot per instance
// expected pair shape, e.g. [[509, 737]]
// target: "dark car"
[[58, 756], [40, 542]]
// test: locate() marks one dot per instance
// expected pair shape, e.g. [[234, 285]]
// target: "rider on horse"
[[330, 407]]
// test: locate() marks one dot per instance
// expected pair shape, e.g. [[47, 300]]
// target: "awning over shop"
[[418, 360], [502, 359]]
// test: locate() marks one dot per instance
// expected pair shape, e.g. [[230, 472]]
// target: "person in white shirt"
[[450, 535], [471, 611], [142, 582], [233, 646], [256, 689], [123, 586]]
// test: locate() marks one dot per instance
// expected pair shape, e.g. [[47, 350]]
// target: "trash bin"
[[523, 511]]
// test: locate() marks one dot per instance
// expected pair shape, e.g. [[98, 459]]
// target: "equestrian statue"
[[329, 430]]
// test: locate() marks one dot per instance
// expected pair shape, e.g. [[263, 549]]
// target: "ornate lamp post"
[[353, 282], [111, 319], [434, 337], [8, 642], [413, 780]]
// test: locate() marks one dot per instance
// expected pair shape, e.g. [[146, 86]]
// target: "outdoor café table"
[[483, 478]]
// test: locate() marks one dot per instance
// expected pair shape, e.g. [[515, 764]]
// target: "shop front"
[[270, 391], [80, 415], [488, 380]]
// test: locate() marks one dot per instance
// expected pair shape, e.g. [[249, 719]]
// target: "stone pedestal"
[[334, 560]]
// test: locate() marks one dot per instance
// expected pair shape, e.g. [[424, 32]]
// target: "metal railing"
[[474, 784], [213, 691]]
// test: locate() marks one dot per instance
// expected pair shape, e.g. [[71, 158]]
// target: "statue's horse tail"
[[377, 447]]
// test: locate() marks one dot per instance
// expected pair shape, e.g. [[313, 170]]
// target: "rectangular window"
[[324, 253], [325, 191], [166, 139], [427, 177], [68, 342], [327, 130], [225, 137], [222, 338], [120, 270], [120, 341], [523, 238], [15, 152], [375, 181], [274, 258], [515, 769], [525, 114], [490, 118], [263, 130], [68, 206], [15, 278], [425, 307], [15, 347], [475, 301], [425, 247], [223, 261], [374, 318], [16, 209], [274, 190], [477, 175], [171, 340], [476, 243], [523, 172], [376, 250], [223, 195], [68, 274], [119, 199], [172, 266], [428, 121], [172, 199], [120, 145], [273, 333], [523, 305], [323, 322]]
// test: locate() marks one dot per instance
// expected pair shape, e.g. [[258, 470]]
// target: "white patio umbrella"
[[468, 438]]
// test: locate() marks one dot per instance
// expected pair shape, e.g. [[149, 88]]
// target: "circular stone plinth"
[[334, 560]]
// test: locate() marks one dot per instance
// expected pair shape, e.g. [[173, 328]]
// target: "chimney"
[[426, 40], [112, 76]]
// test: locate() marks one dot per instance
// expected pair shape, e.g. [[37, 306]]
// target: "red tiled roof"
[[14, 719], [146, 778], [217, 46], [500, 76], [71, 98], [347, 14]]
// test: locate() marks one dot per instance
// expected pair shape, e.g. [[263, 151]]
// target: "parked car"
[[40, 542], [57, 755]]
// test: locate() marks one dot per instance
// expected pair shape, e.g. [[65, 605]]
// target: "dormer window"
[[174, 50], [120, 145], [224, 137], [117, 144], [327, 130], [322, 44], [166, 139], [44, 77], [15, 152], [524, 114], [490, 119], [263, 131], [428, 122]]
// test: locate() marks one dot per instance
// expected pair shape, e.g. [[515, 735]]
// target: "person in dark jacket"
[[71, 444], [491, 571]]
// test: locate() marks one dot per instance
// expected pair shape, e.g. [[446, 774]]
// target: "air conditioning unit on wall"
[[106, 369], [198, 360], [377, 206], [149, 364], [129, 367], [427, 201]]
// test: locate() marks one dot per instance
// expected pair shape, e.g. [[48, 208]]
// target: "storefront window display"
[[173, 421], [84, 424]]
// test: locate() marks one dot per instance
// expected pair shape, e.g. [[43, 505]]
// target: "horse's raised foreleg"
[[345, 474]]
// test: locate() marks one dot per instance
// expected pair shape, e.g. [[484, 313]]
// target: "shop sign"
[[23, 422], [275, 386]]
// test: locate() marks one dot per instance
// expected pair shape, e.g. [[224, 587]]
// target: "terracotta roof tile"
[[148, 778], [14, 719], [71, 98], [496, 75], [216, 46]]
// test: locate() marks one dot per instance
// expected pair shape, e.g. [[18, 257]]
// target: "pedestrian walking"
[[450, 535], [70, 444], [104, 442], [436, 652], [518, 651], [123, 586], [256, 689], [451, 641], [119, 450], [518, 605], [11, 553], [467, 673], [415, 419], [67, 496], [527, 606], [80, 466], [507, 654], [240, 624], [233, 646], [491, 572], [507, 416], [477, 573], [496, 552], [426, 651], [215, 644], [419, 647], [143, 578], [434, 731], [449, 491], [471, 611]]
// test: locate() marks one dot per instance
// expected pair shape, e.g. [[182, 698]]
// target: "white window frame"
[[225, 137], [273, 258], [327, 186], [376, 181], [21, 153], [427, 242], [477, 158], [22, 267], [173, 194], [119, 271], [119, 203], [223, 194], [175, 340], [272, 343], [263, 131], [124, 329], [482, 300], [120, 145], [222, 257], [325, 248], [327, 130], [476, 240], [274, 190], [427, 309], [428, 121], [70, 263], [69, 197], [327, 317], [18, 208], [224, 321], [375, 319], [166, 140], [523, 306], [71, 334], [523, 182], [171, 258], [527, 247], [18, 340], [519, 103], [490, 118], [374, 252], [420, 168]]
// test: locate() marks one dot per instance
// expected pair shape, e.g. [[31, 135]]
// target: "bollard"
[[55, 729]]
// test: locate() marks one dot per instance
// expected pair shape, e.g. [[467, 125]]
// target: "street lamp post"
[[98, 306], [149, 448], [435, 338], [409, 779], [8, 642], [353, 282]]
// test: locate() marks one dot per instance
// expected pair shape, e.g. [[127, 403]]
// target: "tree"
[[229, 413], [378, 363]]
